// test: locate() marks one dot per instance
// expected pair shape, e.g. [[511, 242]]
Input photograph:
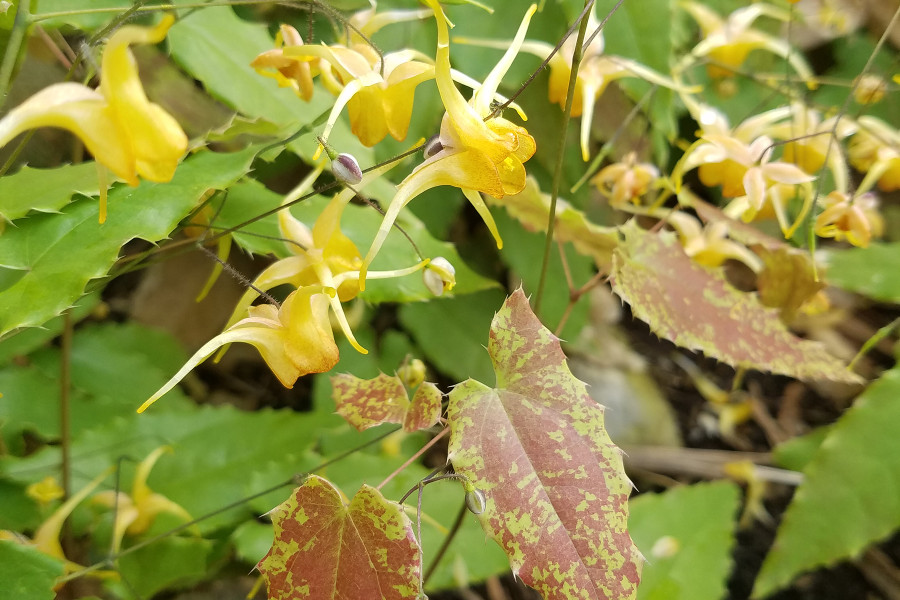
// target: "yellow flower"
[[378, 100], [471, 153], [120, 127], [46, 538], [855, 219], [710, 246], [295, 72], [747, 174], [136, 512], [875, 151], [727, 42], [595, 73], [45, 491], [294, 339], [809, 141], [321, 256], [625, 181]]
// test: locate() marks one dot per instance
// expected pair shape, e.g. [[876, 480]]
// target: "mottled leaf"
[[47, 259], [872, 271], [556, 491], [366, 403], [687, 534], [848, 497], [326, 549], [45, 190], [697, 309], [531, 208]]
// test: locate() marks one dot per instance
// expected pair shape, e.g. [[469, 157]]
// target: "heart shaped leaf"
[[555, 488], [326, 549], [366, 403]]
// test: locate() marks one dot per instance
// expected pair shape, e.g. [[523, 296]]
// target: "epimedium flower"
[[625, 181], [121, 128], [727, 42], [855, 219], [136, 512], [294, 339], [596, 71], [323, 255], [46, 537], [295, 72], [475, 151], [875, 150], [709, 245]]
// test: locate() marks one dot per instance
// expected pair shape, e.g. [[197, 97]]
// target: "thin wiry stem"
[[557, 174]]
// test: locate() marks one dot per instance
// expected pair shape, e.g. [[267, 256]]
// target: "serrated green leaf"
[[556, 491], [846, 500], [360, 224], [687, 534], [452, 332], [697, 309], [26, 572], [25, 341], [324, 549], [215, 450], [168, 563], [55, 255], [45, 190], [873, 272]]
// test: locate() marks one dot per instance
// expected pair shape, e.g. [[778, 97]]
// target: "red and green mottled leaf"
[[326, 549], [555, 489], [425, 408], [697, 309], [848, 498], [366, 403]]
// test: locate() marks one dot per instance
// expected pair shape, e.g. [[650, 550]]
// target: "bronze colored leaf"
[[697, 309], [325, 549], [366, 403], [555, 489]]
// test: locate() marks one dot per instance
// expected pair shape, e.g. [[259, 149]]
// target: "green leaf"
[[873, 272], [165, 564], [687, 534], [359, 223], [697, 309], [452, 332], [324, 549], [19, 512], [846, 500], [52, 257], [113, 369], [252, 540], [25, 341], [796, 453], [26, 572], [556, 490], [45, 190], [215, 451], [81, 21], [366, 403]]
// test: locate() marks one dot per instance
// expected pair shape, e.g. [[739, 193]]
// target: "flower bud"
[[439, 276], [346, 169], [433, 146], [412, 373], [475, 501], [869, 89]]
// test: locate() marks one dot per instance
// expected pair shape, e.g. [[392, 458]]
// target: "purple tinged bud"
[[346, 169], [433, 146]]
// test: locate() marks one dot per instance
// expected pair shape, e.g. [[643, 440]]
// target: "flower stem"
[[557, 173], [20, 26]]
